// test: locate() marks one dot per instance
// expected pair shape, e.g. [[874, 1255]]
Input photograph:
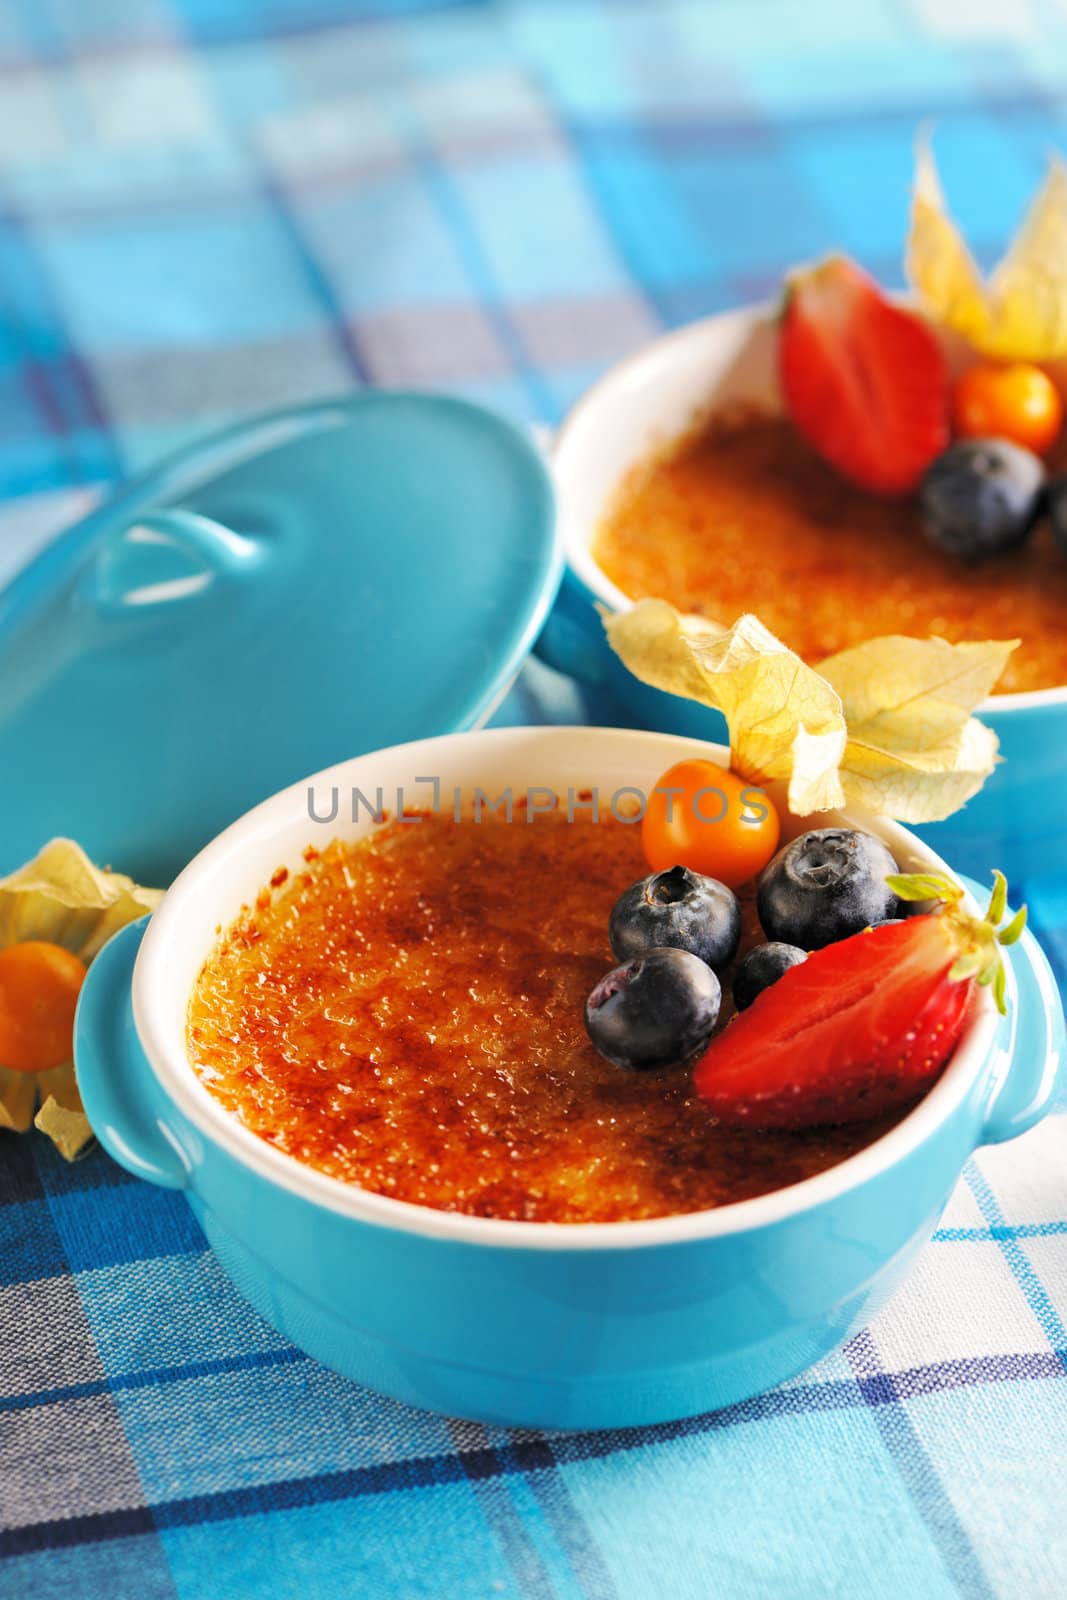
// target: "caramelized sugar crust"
[[406, 1014], [742, 516]]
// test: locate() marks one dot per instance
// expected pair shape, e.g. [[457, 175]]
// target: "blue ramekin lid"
[[307, 586]]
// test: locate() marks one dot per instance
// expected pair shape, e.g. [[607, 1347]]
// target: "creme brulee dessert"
[[744, 516], [406, 1015]]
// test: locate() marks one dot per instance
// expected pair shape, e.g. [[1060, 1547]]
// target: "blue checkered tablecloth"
[[208, 206]]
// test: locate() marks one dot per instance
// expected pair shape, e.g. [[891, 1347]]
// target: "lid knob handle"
[[165, 557]]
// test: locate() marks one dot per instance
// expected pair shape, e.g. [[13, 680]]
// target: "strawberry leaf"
[[1000, 990], [979, 940], [967, 965], [924, 886]]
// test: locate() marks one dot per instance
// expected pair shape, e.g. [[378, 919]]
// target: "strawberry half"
[[862, 1026], [866, 382]]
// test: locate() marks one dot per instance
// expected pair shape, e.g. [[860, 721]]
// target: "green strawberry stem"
[[978, 940]]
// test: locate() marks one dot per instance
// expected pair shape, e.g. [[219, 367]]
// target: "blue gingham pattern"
[[207, 206]]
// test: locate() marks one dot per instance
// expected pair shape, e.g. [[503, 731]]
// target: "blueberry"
[[824, 886], [657, 1010], [678, 908], [763, 966], [980, 497], [1056, 505]]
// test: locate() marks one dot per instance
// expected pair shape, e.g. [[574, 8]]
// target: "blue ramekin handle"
[[114, 1077], [572, 640], [1034, 1046]]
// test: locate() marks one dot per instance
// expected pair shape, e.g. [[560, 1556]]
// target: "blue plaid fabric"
[[208, 206]]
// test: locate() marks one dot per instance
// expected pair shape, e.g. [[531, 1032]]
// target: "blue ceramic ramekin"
[[1018, 822], [590, 1326]]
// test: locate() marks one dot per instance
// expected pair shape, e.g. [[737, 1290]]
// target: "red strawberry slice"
[[861, 1027], [866, 383]]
